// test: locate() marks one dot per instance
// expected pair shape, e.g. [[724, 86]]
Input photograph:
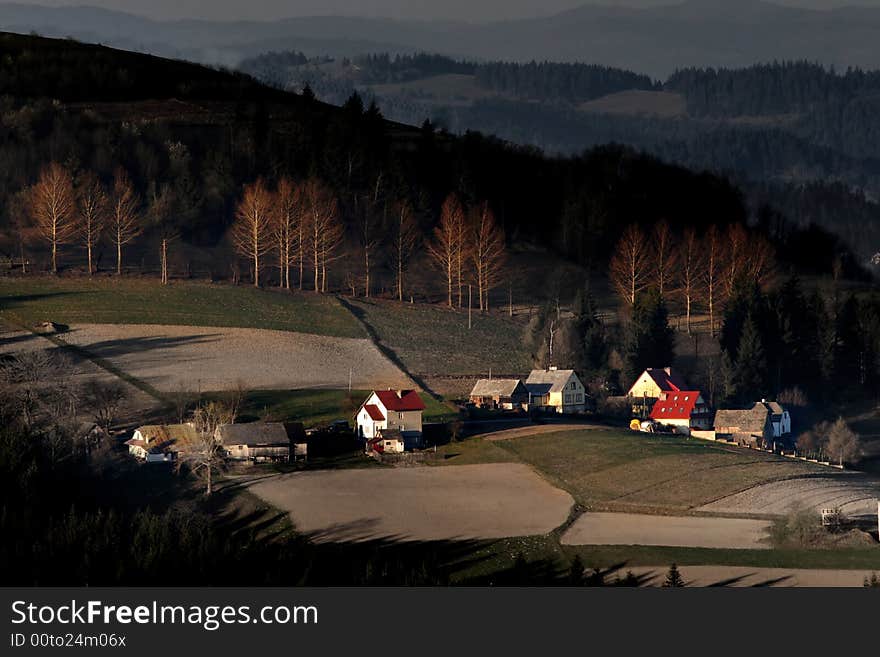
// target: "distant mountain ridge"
[[656, 40]]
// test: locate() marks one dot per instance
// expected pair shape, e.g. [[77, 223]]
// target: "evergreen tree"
[[650, 341], [674, 580], [750, 371]]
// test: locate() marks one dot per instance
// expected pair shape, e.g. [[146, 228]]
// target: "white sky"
[[471, 10]]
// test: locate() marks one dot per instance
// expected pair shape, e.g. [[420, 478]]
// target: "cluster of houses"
[[664, 400], [551, 390], [390, 421]]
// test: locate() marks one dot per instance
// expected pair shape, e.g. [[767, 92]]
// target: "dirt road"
[[455, 502], [679, 531]]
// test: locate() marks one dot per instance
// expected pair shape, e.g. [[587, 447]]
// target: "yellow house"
[[556, 390], [654, 381]]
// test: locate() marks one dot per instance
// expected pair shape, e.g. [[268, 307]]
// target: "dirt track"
[[682, 531], [171, 357], [455, 502]]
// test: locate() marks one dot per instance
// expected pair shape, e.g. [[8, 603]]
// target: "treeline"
[[554, 81], [768, 89]]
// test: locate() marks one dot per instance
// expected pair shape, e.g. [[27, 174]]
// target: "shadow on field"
[[124, 346]]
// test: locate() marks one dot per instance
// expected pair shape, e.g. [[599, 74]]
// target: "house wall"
[[367, 426], [645, 386], [405, 421]]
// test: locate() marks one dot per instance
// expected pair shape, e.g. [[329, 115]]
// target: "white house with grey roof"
[[556, 390]]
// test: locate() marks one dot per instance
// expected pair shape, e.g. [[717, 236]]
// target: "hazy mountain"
[[655, 40]]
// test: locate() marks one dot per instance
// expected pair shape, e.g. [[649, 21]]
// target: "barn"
[[507, 394]]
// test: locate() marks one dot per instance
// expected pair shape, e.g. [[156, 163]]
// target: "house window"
[[579, 397]]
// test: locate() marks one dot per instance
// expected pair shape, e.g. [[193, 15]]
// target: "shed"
[[254, 441], [750, 426], [500, 393]]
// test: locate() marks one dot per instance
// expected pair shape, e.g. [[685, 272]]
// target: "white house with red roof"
[[390, 410], [683, 410]]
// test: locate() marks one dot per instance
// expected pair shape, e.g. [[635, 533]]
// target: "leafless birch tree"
[[162, 202], [488, 253], [251, 231], [325, 230], [630, 266], [406, 237], [665, 258], [691, 272], [125, 219], [712, 273], [51, 206], [445, 248], [288, 230], [92, 210]]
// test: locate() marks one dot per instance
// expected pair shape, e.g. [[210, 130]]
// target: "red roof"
[[408, 400], [374, 412], [675, 405], [666, 380]]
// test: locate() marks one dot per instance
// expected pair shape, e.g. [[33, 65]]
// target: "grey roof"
[[253, 433], [497, 388], [774, 407], [752, 420], [544, 381]]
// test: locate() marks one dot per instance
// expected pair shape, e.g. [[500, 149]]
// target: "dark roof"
[[374, 412], [751, 420], [498, 388], [401, 400], [666, 379], [253, 433]]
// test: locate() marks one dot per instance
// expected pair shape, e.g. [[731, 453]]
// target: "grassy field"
[[317, 407], [138, 301], [433, 340], [625, 471]]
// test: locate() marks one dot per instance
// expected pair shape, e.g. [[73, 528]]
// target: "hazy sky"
[[472, 10]]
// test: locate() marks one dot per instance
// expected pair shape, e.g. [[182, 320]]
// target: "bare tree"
[[712, 272], [760, 263], [125, 219], [51, 205], [692, 264], [104, 399], [630, 266], [445, 248], [325, 231], [288, 230], [18, 220], [666, 258], [162, 202], [843, 443], [251, 230], [92, 209], [205, 457], [737, 246], [368, 229], [488, 252], [406, 237]]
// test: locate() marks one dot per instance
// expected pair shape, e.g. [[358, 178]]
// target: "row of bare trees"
[[468, 247], [694, 268], [66, 210]]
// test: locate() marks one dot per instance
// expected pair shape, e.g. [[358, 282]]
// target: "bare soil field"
[[465, 502], [741, 576], [675, 531], [174, 357], [854, 494]]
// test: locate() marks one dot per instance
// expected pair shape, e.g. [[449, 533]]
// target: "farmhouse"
[[162, 443], [746, 427], [258, 442], [560, 391], [683, 410], [390, 442], [780, 419], [386, 410], [500, 393], [654, 381]]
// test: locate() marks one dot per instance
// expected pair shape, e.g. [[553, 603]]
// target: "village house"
[[750, 426], [507, 394], [559, 391], [389, 442], [650, 385], [162, 443], [780, 419], [257, 442], [386, 410], [683, 411]]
